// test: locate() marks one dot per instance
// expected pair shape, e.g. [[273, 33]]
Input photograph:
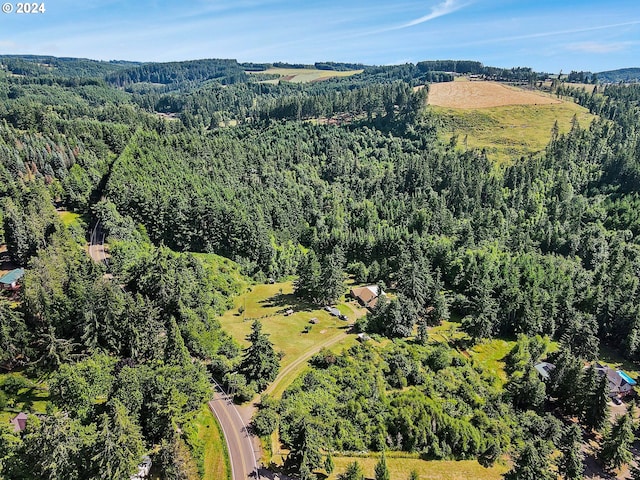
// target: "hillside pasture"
[[509, 132], [484, 95], [304, 75]]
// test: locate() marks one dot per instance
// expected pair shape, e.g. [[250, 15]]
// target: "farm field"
[[483, 95], [506, 130], [304, 75]]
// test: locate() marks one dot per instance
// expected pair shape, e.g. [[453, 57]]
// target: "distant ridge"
[[626, 75]]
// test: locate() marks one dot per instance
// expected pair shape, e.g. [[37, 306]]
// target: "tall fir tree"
[[332, 277], [381, 469], [260, 363], [309, 280], [615, 451], [571, 461], [596, 409], [533, 463]]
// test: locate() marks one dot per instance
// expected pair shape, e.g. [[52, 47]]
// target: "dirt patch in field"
[[484, 95]]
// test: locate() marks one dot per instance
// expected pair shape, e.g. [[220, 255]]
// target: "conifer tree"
[[260, 363], [381, 469], [615, 450], [309, 279], [596, 410], [532, 463], [353, 472], [570, 464]]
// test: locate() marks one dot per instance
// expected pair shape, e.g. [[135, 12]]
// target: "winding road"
[[240, 446], [240, 443]]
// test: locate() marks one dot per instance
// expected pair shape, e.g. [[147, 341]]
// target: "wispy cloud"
[[553, 33], [599, 47], [440, 10]]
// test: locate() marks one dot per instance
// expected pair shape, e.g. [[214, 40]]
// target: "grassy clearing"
[[32, 399], [490, 355], [269, 304], [69, 219], [400, 468], [303, 75], [208, 446], [509, 132]]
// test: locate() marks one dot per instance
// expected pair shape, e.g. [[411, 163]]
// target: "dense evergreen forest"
[[186, 163]]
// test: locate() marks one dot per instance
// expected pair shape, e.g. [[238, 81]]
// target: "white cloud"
[[8, 44], [440, 10], [598, 47]]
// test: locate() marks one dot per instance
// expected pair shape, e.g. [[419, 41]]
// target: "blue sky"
[[547, 35]]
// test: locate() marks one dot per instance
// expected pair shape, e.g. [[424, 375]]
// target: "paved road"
[[96, 245], [239, 443]]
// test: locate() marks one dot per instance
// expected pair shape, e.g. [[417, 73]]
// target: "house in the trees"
[[620, 383], [367, 296], [12, 280], [144, 468], [544, 369], [19, 422]]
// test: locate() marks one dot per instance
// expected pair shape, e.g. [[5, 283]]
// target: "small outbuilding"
[[144, 468], [544, 369], [19, 422], [314, 320], [288, 312], [363, 337]]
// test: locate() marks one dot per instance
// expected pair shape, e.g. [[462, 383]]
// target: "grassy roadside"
[[207, 445]]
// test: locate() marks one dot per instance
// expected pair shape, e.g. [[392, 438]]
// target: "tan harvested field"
[[303, 75], [484, 95], [507, 122]]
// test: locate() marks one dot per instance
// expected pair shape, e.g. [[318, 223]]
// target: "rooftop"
[[13, 276]]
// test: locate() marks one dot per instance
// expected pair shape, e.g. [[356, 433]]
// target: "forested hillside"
[[319, 180]]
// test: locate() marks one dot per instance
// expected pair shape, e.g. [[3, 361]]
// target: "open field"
[[302, 75], [269, 303], [484, 95], [509, 132], [508, 122], [400, 468]]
